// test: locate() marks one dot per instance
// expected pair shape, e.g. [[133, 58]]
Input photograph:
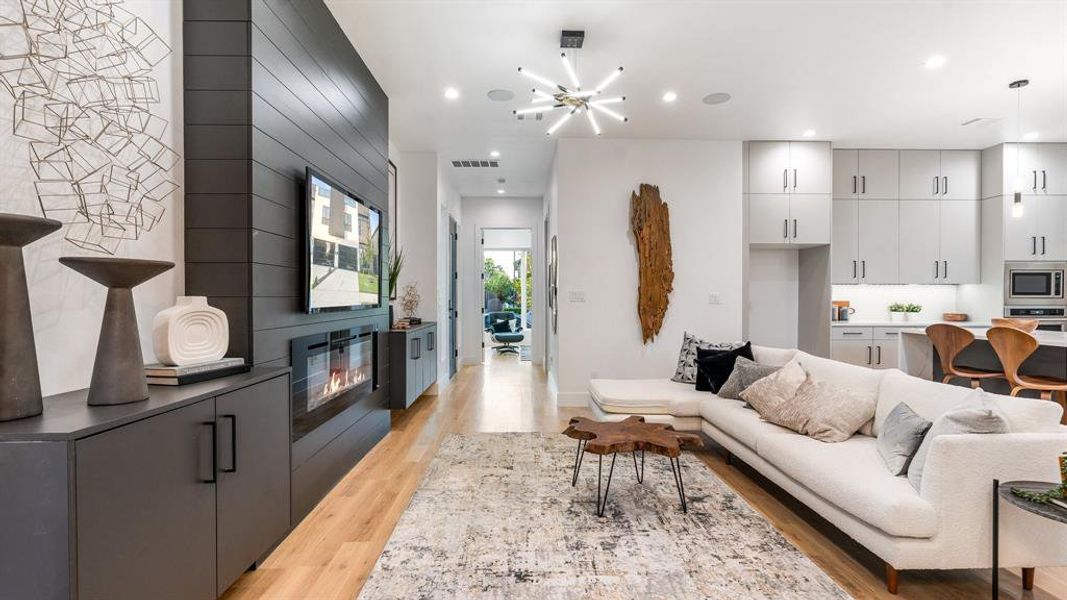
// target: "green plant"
[[898, 307], [396, 264], [913, 308], [499, 285]]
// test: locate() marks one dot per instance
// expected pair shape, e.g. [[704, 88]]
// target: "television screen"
[[344, 249]]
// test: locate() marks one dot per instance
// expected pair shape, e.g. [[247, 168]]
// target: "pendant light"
[[1017, 188]]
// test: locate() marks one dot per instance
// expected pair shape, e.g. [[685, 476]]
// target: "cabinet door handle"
[[1034, 187], [937, 274], [785, 228], [854, 273], [944, 192], [431, 341], [937, 186], [1044, 181], [795, 230], [868, 355], [1033, 244], [863, 179], [879, 354], [945, 274], [863, 269], [1042, 245], [233, 443], [214, 451], [853, 184], [851, 333], [794, 179], [785, 179]]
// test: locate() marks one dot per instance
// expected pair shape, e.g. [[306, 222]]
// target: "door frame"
[[453, 297], [531, 250]]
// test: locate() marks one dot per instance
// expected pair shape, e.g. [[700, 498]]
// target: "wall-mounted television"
[[343, 250]]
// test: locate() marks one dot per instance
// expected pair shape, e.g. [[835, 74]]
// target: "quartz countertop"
[[1044, 338], [905, 324]]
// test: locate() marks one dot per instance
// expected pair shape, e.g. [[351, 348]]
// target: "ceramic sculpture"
[[190, 332]]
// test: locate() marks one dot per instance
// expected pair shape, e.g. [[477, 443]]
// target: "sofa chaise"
[[944, 525]]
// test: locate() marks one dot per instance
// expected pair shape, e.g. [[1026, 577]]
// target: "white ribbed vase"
[[190, 332]]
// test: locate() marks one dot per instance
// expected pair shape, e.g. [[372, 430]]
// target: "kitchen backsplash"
[[872, 301]]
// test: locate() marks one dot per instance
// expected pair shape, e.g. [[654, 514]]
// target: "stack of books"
[[158, 374]]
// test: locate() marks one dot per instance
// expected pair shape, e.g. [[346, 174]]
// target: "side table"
[[1048, 511]]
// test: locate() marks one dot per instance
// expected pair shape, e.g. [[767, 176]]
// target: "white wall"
[[550, 215], [872, 301], [701, 183], [774, 285], [448, 205], [482, 213], [67, 308]]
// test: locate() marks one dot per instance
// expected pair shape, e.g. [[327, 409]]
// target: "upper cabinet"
[[940, 174], [1042, 169], [789, 219], [866, 174], [789, 168]]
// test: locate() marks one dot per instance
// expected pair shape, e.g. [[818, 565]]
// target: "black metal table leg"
[[996, 540], [578, 457], [640, 473], [600, 506], [676, 470]]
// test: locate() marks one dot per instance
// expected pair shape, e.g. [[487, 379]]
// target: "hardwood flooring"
[[331, 553]]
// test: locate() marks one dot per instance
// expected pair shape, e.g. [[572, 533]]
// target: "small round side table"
[[1048, 511]]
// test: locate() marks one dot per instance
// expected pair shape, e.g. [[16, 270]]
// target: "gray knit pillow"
[[686, 372], [901, 435], [745, 373]]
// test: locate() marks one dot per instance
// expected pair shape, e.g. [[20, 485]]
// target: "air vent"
[[530, 117], [474, 163], [980, 121]]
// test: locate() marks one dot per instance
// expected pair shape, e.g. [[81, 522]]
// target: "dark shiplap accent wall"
[[272, 87]]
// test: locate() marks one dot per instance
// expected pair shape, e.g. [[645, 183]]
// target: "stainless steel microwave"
[[1034, 283]]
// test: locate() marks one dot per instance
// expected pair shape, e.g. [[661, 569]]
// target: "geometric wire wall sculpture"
[[80, 74]]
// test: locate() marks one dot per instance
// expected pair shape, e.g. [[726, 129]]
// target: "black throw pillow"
[[714, 366]]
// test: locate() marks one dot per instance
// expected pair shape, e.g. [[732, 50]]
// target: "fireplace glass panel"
[[330, 373]]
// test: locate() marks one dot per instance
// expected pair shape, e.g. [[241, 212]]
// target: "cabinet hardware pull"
[[1042, 245], [944, 192], [863, 179], [785, 228], [879, 355], [854, 269], [853, 184], [214, 452], [851, 333], [945, 274], [794, 179], [1033, 244], [1044, 180], [868, 355], [937, 274], [233, 443], [795, 231], [937, 187], [785, 179], [1035, 181], [863, 268]]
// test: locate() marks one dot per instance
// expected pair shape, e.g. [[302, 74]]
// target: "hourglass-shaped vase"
[[20, 390]]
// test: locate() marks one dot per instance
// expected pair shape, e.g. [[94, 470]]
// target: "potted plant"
[[911, 311], [396, 263], [897, 310]]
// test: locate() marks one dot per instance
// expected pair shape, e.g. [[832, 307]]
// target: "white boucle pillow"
[[767, 394]]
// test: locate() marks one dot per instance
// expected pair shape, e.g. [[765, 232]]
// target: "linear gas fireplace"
[[331, 371]]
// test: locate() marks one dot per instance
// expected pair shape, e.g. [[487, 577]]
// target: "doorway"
[[508, 292], [453, 296]]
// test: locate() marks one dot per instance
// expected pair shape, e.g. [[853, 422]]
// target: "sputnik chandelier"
[[572, 100]]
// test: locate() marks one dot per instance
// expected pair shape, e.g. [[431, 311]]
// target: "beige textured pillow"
[[825, 411], [768, 394]]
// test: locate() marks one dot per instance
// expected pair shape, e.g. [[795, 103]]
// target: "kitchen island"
[[917, 357]]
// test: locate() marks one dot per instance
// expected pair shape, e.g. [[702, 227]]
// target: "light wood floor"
[[331, 553]]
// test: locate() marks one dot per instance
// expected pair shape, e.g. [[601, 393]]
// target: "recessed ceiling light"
[[717, 98], [500, 95], [495, 154], [1032, 135], [500, 191], [809, 133], [451, 93], [670, 96], [935, 62]]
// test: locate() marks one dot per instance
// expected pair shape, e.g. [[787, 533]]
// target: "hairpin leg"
[[600, 506], [676, 470], [578, 457], [640, 472]]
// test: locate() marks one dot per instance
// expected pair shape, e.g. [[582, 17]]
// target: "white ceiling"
[[852, 71]]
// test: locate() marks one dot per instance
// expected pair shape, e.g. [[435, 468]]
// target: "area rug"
[[496, 517]]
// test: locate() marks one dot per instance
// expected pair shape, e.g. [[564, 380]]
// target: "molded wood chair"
[[1013, 347], [1027, 325], [949, 341]]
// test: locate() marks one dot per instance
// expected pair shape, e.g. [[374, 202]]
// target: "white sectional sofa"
[[945, 525]]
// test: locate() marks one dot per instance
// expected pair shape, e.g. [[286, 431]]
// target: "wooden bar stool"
[[1027, 325], [949, 341], [1013, 347]]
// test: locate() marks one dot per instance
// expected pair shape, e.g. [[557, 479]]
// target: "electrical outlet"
[[714, 298], [576, 295]]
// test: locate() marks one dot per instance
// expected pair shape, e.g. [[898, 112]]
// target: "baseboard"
[[574, 399]]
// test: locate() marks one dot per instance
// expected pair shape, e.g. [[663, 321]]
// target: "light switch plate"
[[576, 295], [714, 298]]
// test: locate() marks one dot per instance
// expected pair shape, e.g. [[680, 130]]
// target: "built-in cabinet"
[[1036, 229], [907, 216], [413, 363], [1039, 232], [874, 347], [1042, 169], [789, 199]]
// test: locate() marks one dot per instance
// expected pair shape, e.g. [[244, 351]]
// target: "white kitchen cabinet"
[[844, 242], [846, 173], [1053, 162], [866, 174], [874, 347], [1040, 233], [1042, 169], [961, 174], [877, 243], [920, 174], [795, 219], [853, 352], [961, 241], [884, 354], [768, 219], [920, 241], [789, 167]]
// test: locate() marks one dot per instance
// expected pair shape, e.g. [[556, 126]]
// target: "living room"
[[364, 298]]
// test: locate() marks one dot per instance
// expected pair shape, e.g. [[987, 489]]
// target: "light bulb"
[[1017, 205]]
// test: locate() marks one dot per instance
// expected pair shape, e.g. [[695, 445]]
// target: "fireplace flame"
[[340, 381]]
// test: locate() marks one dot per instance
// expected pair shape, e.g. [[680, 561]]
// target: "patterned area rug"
[[496, 517]]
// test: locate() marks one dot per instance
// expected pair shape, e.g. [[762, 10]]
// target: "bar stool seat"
[[1013, 347], [1027, 325], [949, 341]]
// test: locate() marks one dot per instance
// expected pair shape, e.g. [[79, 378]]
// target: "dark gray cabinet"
[[173, 497], [412, 363]]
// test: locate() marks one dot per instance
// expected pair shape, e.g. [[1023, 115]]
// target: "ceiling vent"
[[980, 121], [530, 117], [476, 163]]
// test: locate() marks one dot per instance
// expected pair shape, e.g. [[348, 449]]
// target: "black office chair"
[[500, 326]]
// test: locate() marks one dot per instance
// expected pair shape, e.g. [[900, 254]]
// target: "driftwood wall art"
[[651, 225]]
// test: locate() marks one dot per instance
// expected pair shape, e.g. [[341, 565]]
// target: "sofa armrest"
[[958, 480]]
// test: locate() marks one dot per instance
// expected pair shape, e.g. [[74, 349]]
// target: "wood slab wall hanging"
[[650, 223]]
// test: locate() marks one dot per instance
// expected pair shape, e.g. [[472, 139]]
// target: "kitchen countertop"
[[905, 324], [1056, 339]]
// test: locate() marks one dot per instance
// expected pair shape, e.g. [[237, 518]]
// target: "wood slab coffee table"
[[631, 435]]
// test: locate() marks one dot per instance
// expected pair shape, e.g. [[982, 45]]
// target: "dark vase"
[[118, 371], [20, 391]]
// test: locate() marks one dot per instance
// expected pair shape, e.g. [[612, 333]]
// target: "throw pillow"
[[686, 371], [900, 437], [767, 394], [714, 366], [978, 413], [825, 411], [745, 373]]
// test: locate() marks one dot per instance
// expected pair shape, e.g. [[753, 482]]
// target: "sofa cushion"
[[902, 432], [861, 379], [738, 421], [852, 476], [745, 373], [824, 410], [767, 355], [930, 399], [646, 397], [686, 371], [714, 366]]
